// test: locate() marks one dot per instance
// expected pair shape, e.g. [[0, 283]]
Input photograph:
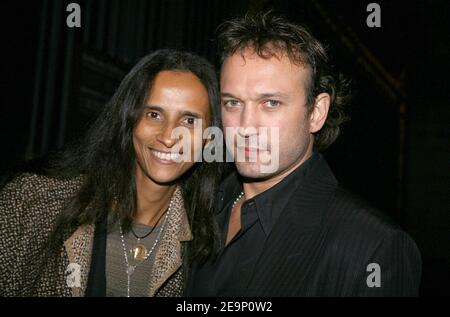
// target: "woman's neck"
[[152, 199]]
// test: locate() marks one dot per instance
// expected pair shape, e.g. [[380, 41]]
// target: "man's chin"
[[253, 171]]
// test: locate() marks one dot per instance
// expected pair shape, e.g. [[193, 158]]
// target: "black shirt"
[[230, 272]]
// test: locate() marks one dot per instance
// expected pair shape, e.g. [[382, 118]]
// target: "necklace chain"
[[237, 200], [130, 268], [151, 230]]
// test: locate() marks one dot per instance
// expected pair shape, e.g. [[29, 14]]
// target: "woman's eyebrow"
[[154, 107], [192, 114], [181, 113]]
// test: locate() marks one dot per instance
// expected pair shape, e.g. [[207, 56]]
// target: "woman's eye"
[[153, 115], [272, 103], [190, 121]]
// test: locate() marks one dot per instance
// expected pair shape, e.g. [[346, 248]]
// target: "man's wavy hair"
[[268, 35]]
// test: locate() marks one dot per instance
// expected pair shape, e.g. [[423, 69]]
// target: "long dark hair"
[[105, 158]]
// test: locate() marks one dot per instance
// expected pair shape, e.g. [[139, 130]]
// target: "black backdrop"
[[394, 151]]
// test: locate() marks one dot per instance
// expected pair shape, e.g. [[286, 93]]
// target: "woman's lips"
[[166, 157]]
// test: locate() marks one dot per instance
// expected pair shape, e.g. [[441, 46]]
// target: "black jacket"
[[324, 243]]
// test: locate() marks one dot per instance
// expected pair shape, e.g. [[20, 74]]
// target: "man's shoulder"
[[361, 236], [354, 224], [348, 208]]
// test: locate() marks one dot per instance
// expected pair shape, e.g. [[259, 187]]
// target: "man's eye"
[[272, 103], [231, 103], [153, 115]]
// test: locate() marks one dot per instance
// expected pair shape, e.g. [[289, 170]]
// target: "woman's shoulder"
[[37, 182], [30, 187]]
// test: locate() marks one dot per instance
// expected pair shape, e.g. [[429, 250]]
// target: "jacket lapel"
[[168, 257], [79, 250], [292, 245]]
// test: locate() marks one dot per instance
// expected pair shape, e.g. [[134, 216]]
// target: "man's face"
[[266, 93], [177, 99]]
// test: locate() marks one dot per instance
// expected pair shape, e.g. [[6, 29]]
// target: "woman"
[[120, 214]]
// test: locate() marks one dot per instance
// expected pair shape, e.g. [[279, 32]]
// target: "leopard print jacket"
[[29, 207]]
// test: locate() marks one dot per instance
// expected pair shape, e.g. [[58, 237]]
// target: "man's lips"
[[248, 150]]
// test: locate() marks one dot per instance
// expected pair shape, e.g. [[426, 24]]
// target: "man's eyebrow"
[[260, 96], [183, 113], [273, 94], [228, 95]]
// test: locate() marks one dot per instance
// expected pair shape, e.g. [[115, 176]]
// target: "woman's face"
[[177, 99]]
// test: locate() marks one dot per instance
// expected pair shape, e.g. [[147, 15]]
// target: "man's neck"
[[253, 188], [152, 198]]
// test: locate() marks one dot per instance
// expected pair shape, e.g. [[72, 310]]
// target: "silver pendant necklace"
[[138, 253]]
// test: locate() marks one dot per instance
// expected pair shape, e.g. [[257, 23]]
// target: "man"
[[293, 231]]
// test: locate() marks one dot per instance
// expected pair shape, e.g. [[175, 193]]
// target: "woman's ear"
[[319, 113]]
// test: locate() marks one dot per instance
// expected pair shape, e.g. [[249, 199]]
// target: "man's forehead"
[[270, 51], [250, 59], [250, 68]]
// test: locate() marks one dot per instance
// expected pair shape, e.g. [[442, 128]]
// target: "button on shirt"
[[231, 271]]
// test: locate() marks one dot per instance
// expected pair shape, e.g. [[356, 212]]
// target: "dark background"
[[394, 151]]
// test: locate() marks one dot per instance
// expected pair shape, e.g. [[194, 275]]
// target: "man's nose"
[[248, 123]]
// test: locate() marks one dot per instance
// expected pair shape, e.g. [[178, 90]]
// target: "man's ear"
[[319, 113]]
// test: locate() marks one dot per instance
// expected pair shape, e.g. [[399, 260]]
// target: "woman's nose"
[[165, 136]]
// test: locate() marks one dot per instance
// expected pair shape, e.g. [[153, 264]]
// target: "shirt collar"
[[270, 203]]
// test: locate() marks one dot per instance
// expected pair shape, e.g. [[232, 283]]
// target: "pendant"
[[139, 253], [130, 269]]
